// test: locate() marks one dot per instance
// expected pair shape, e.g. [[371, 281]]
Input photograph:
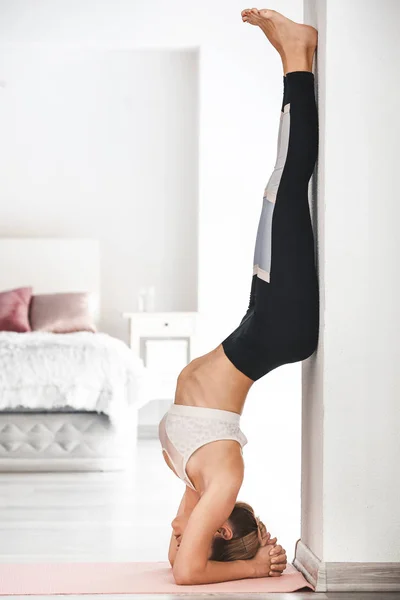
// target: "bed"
[[68, 402]]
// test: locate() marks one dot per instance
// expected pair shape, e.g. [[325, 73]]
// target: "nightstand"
[[164, 342]]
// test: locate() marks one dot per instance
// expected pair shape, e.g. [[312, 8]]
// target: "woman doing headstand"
[[215, 538]]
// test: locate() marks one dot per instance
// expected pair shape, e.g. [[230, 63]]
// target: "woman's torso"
[[213, 381], [208, 382]]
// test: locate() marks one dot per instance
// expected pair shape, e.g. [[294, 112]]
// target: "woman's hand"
[[270, 561], [178, 538], [278, 561], [266, 539]]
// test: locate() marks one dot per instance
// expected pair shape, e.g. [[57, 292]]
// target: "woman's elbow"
[[186, 576]]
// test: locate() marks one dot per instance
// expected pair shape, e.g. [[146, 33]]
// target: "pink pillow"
[[61, 313], [14, 305]]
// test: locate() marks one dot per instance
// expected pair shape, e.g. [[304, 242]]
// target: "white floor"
[[90, 516], [84, 517]]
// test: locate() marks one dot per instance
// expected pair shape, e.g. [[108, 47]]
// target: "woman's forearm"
[[217, 572], [187, 504]]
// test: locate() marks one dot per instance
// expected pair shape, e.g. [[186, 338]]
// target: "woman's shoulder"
[[225, 467]]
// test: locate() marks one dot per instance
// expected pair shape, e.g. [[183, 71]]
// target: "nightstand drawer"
[[168, 326], [164, 325]]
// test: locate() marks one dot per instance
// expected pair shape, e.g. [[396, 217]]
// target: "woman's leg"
[[281, 324], [286, 295], [259, 245]]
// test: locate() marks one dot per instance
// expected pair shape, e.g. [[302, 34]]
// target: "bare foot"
[[289, 38]]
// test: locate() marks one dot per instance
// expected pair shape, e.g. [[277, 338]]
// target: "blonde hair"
[[248, 531]]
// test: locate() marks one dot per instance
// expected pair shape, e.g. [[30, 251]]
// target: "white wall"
[[359, 422], [312, 499], [103, 143], [240, 99]]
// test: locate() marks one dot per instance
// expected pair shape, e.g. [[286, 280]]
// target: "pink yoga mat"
[[126, 578]]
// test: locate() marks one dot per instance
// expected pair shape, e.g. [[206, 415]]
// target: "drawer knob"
[[166, 324]]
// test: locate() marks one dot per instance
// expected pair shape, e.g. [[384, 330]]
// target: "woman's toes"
[[255, 13], [251, 15]]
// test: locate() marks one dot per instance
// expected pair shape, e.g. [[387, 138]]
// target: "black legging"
[[282, 321]]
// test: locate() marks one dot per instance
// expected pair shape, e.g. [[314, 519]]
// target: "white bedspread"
[[81, 371]]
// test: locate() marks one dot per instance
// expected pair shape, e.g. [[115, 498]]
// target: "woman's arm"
[[188, 502], [192, 565]]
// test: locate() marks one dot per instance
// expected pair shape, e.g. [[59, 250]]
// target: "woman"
[[215, 538]]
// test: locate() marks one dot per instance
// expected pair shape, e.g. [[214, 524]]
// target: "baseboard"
[[310, 566], [346, 577]]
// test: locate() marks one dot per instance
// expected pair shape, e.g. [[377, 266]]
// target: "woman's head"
[[240, 537]]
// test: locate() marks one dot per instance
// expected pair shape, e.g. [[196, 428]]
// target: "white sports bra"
[[184, 429]]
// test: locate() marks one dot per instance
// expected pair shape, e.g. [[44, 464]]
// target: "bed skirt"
[[65, 441]]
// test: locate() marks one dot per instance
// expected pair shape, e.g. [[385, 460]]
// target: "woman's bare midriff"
[[212, 381]]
